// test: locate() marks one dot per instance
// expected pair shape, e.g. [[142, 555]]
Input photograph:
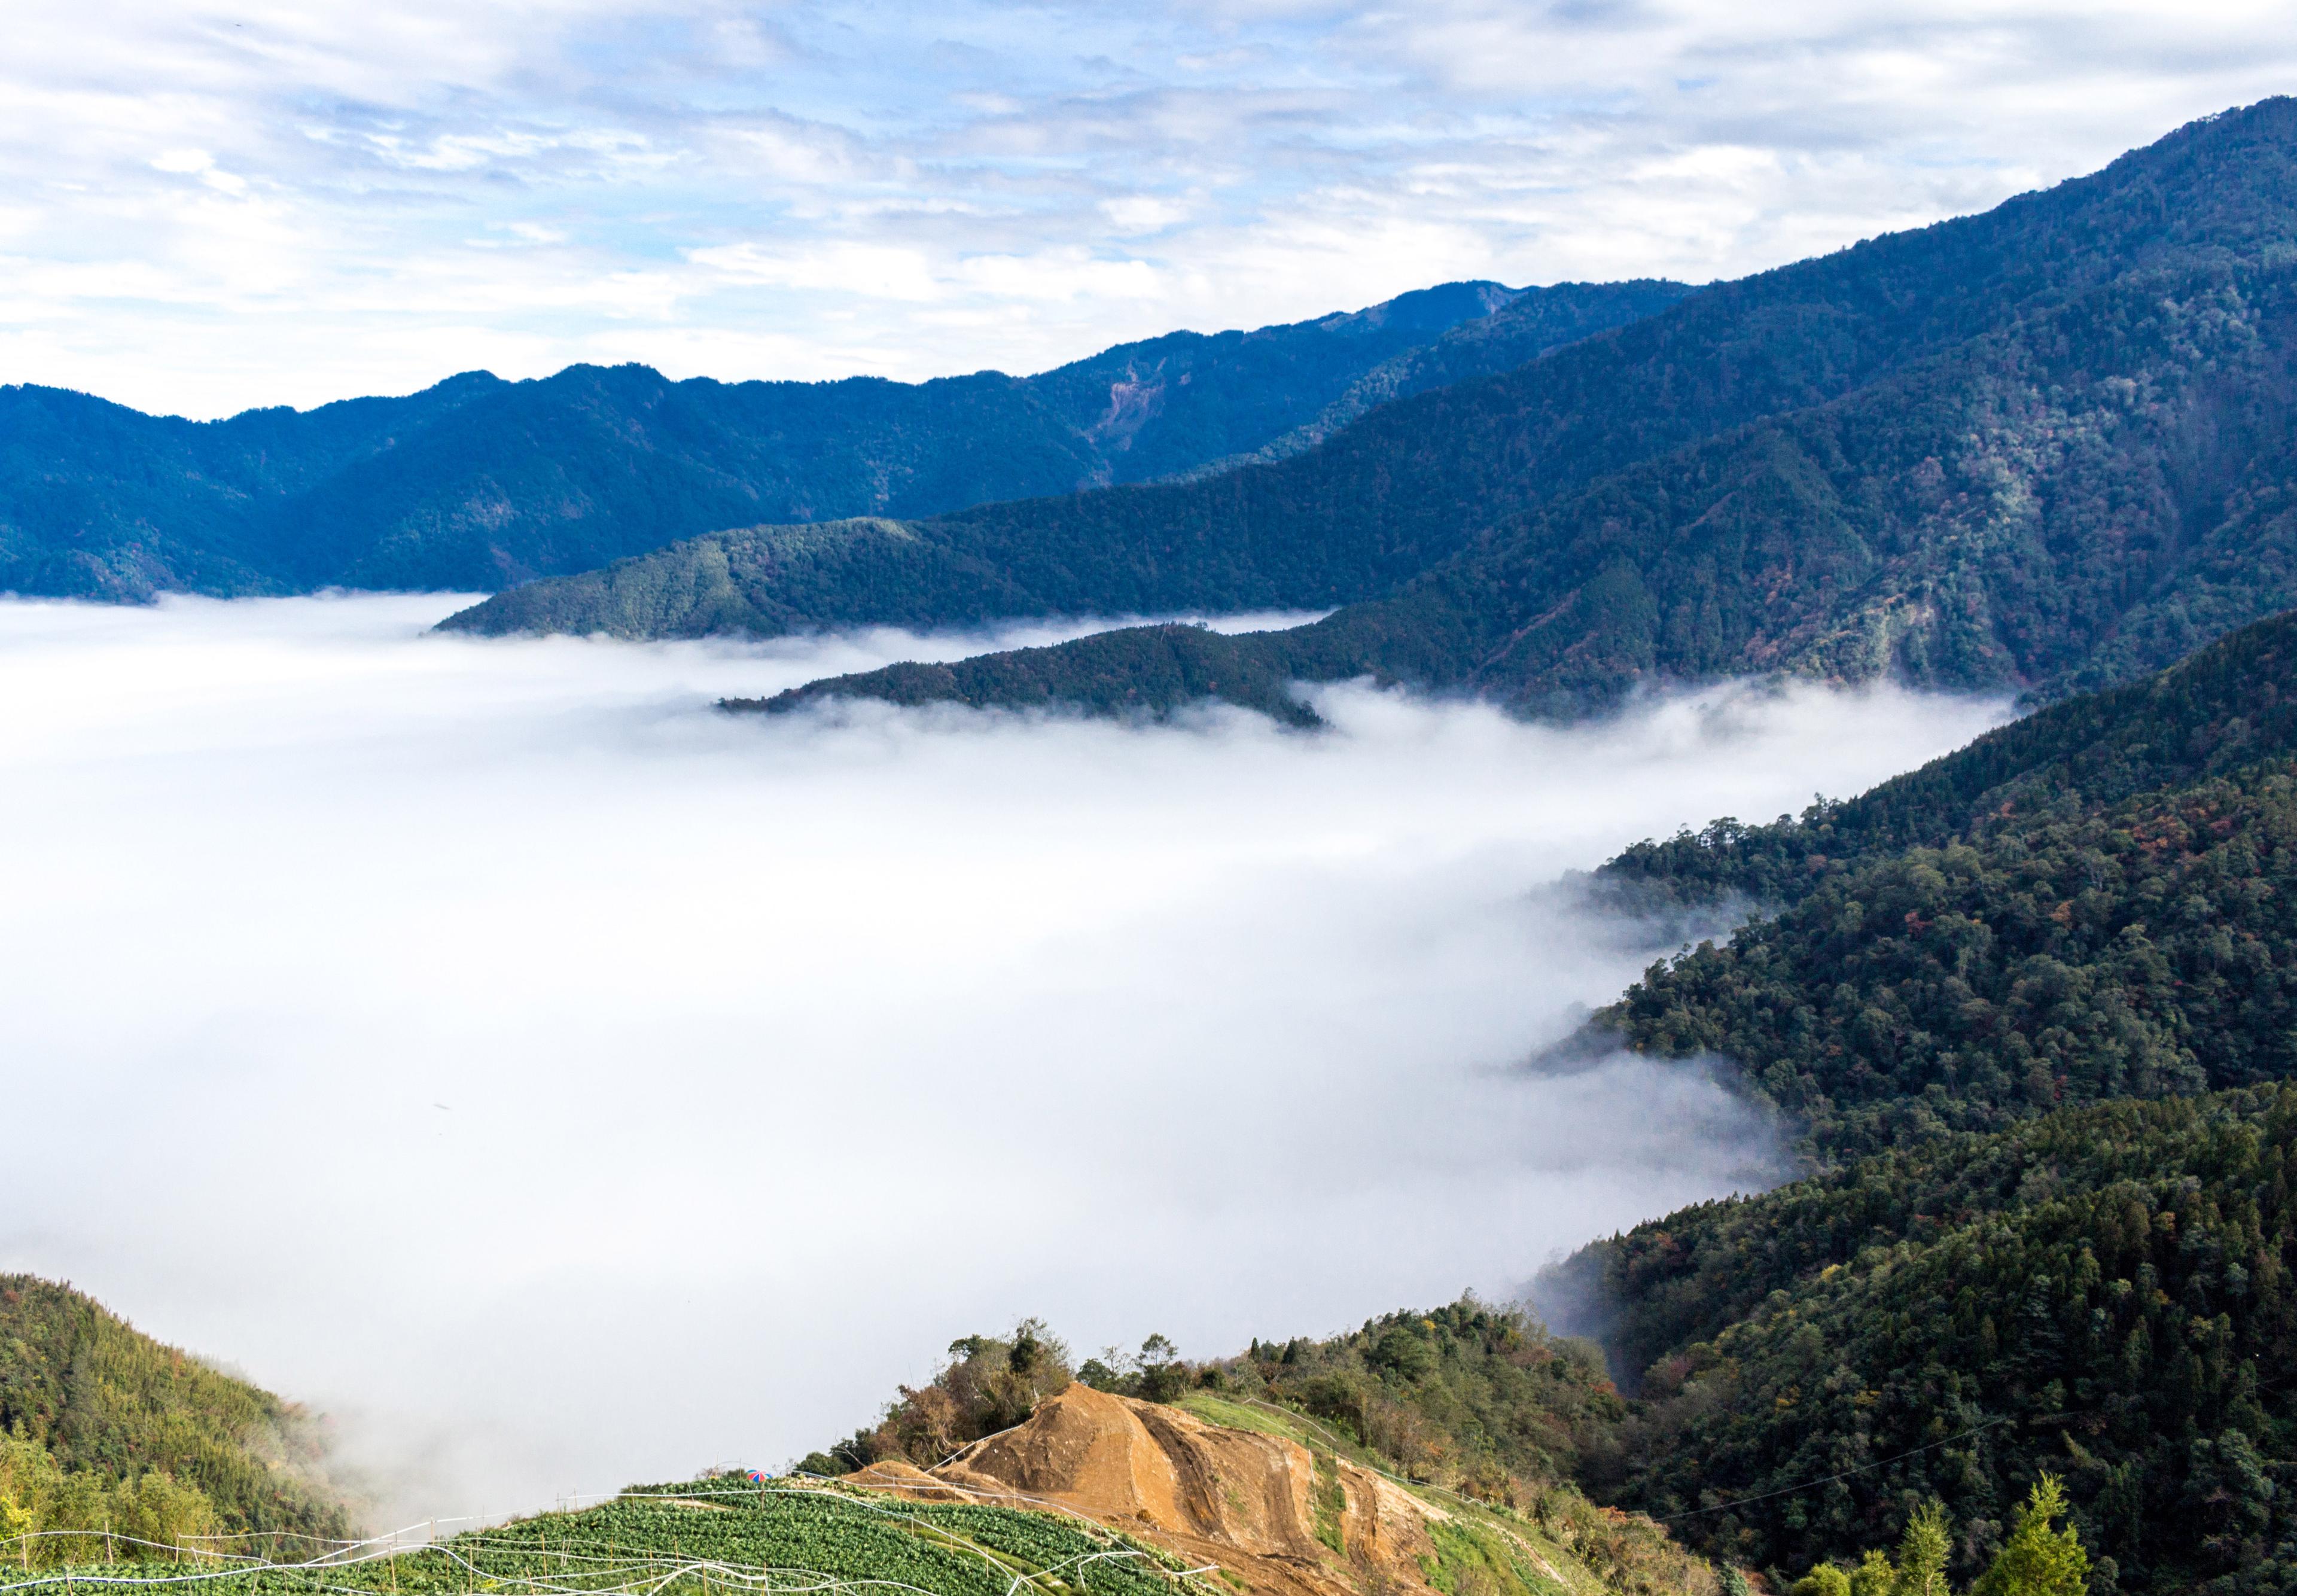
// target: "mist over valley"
[[469, 1022], [1158, 800]]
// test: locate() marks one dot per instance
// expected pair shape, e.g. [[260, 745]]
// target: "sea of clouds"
[[562, 1083]]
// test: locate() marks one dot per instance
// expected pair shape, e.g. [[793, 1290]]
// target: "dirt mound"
[[1278, 1516]]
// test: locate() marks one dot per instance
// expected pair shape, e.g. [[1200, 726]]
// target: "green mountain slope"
[[736, 1530], [2030, 1010], [1144, 670], [101, 1425], [2089, 904], [2046, 447], [1476, 1398], [2228, 705], [2144, 950], [478, 482], [722, 1532], [2103, 1293], [1242, 538]]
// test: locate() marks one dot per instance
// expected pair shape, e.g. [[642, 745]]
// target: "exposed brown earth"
[[1244, 1500]]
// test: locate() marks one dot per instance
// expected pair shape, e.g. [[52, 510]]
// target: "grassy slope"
[[1479, 1407], [1465, 1401], [704, 1535]]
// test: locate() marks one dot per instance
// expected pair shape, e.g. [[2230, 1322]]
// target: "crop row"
[[707, 1539]]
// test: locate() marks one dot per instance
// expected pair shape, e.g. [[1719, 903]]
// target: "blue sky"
[[209, 207]]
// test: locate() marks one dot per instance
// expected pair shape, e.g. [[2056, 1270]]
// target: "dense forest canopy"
[[2052, 956], [2028, 1009], [2232, 704], [2088, 903], [2104, 1292]]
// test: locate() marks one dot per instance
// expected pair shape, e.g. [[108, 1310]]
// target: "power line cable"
[[1830, 1479]]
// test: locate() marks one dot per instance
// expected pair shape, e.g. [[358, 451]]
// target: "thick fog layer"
[[564, 1083]]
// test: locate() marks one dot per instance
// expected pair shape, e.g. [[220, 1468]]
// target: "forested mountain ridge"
[[1517, 333], [2030, 1010], [1239, 535], [2045, 448], [2087, 904], [2230, 704], [103, 1428], [479, 482], [2146, 950]]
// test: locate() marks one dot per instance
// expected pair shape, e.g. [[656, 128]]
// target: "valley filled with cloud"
[[473, 1023]]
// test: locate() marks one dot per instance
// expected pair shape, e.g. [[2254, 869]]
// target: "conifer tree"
[[2036, 1559], [1922, 1554]]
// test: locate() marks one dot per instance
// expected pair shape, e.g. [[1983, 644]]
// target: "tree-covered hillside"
[[2230, 704], [2031, 1012], [101, 1426], [1079, 553], [1151, 670], [2104, 1293], [480, 484], [2046, 448], [1468, 1395], [2069, 951]]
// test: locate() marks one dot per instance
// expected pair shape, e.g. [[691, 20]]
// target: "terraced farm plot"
[[706, 1538]]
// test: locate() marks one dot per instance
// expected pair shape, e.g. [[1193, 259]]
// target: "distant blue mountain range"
[[481, 483]]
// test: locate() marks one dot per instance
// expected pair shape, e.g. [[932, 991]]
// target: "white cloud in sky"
[[215, 207], [566, 1083]]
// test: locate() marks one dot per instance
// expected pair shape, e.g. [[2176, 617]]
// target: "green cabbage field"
[[720, 1536]]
